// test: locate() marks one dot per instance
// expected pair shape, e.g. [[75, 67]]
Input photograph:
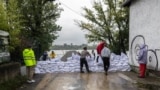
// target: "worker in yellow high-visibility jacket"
[[30, 62], [52, 55]]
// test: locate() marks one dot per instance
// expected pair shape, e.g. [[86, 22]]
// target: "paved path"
[[84, 81]]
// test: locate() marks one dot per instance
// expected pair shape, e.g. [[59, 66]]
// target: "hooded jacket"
[[142, 57], [29, 57]]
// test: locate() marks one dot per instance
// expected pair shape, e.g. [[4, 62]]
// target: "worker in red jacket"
[[99, 49]]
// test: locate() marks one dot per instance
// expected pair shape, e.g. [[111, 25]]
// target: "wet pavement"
[[85, 81]]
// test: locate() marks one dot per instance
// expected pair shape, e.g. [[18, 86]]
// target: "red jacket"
[[100, 47]]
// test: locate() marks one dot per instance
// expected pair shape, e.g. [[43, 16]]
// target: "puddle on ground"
[[148, 86]]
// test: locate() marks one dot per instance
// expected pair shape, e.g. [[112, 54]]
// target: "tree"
[[14, 23], [121, 21], [14, 19], [11, 22], [3, 16], [108, 21], [40, 26]]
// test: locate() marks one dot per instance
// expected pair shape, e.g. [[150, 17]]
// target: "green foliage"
[[14, 20], [11, 20], [108, 21], [40, 26], [29, 22], [14, 26], [3, 18]]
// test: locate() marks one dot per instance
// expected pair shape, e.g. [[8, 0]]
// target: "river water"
[[60, 53]]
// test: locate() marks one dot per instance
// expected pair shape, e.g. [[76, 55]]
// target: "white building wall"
[[145, 21]]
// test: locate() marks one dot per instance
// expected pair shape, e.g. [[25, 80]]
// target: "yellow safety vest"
[[29, 57], [52, 55]]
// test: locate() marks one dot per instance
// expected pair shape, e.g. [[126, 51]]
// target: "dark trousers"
[[106, 63], [142, 70], [44, 57], [83, 61], [97, 58]]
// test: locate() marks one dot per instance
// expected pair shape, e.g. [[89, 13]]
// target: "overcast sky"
[[70, 32]]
